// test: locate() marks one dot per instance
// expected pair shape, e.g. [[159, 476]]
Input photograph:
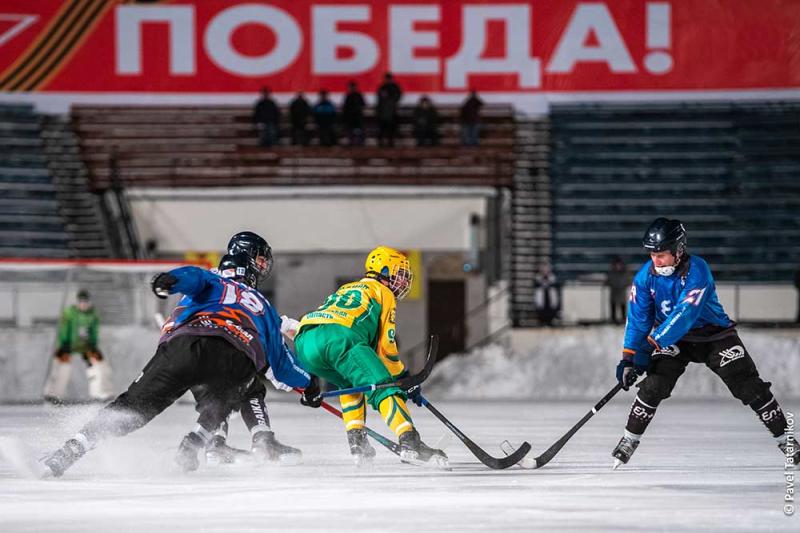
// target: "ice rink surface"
[[702, 466]]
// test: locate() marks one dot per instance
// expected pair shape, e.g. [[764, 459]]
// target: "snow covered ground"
[[704, 465]]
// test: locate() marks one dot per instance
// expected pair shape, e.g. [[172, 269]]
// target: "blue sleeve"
[[693, 297], [282, 361], [641, 313], [191, 280]]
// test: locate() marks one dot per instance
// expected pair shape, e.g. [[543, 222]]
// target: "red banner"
[[216, 46]]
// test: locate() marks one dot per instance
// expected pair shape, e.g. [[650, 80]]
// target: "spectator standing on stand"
[[471, 120], [353, 114], [299, 111], [389, 94], [618, 282], [325, 118], [426, 123], [267, 117], [546, 295]]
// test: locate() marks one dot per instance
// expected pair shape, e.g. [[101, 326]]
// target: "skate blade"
[[528, 463], [17, 454], [290, 459], [436, 462], [617, 464]]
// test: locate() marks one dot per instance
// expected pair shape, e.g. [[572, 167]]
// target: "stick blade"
[[502, 463]]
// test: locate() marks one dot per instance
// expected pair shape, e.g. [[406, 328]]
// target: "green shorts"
[[338, 355]]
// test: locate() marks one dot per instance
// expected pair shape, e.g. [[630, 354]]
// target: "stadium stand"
[[216, 146], [46, 209], [734, 168], [531, 216]]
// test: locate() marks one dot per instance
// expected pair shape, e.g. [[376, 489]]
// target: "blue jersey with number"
[[668, 307], [216, 306]]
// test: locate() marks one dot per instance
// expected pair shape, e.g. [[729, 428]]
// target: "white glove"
[[278, 384], [289, 327]]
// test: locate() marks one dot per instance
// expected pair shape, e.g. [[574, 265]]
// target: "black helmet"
[[254, 246], [665, 235], [240, 267]]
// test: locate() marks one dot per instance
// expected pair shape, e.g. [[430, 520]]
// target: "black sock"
[[254, 414], [640, 416], [771, 414]]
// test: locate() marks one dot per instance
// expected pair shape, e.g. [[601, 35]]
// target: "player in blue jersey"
[[675, 318], [220, 335], [253, 408]]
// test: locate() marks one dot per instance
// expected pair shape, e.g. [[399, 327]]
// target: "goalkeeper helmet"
[[389, 265]]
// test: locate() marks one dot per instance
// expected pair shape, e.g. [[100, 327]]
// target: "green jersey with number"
[[368, 308]]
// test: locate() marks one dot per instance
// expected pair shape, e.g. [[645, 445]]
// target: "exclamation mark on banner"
[[659, 38]]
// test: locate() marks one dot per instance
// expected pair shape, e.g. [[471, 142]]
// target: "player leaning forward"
[[675, 318], [350, 341], [221, 333]]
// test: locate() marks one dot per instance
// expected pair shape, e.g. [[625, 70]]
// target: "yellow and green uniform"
[[350, 341]]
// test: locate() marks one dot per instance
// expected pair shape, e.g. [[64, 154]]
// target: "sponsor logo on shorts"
[[667, 351], [731, 354]]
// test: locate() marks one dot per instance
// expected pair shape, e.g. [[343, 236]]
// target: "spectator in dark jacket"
[[299, 111], [546, 295], [471, 120], [325, 118], [619, 282], [426, 123], [267, 117], [353, 114], [389, 94]]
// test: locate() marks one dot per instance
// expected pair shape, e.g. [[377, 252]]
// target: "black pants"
[[726, 357], [251, 404], [184, 362]]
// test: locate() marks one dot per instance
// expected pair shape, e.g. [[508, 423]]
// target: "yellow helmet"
[[388, 264]]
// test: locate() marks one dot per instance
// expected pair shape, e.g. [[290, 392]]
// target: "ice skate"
[[414, 451], [60, 460], [218, 452], [362, 451], [267, 448], [186, 457], [624, 450]]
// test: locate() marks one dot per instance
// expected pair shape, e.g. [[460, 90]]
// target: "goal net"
[[33, 293], [36, 291]]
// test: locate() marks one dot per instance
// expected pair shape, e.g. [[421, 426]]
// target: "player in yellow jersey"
[[350, 341]]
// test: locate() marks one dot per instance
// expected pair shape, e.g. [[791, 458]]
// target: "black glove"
[[626, 373], [162, 283], [312, 396], [630, 368], [415, 394]]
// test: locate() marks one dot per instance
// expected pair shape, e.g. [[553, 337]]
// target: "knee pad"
[[654, 389], [750, 390]]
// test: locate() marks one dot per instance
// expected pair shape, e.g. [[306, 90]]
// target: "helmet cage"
[[400, 282], [256, 248]]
